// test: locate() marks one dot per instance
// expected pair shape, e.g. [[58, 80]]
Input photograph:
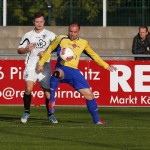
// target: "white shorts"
[[43, 78]]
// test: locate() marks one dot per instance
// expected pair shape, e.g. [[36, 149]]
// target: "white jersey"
[[42, 41]]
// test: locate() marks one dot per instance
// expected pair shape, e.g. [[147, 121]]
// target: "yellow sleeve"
[[96, 57], [47, 54]]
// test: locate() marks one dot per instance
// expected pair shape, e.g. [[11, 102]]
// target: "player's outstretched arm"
[[112, 68]]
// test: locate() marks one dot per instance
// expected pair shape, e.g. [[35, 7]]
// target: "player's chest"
[[76, 46], [41, 40]]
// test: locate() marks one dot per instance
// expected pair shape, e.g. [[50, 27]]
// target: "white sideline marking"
[[79, 127], [102, 126]]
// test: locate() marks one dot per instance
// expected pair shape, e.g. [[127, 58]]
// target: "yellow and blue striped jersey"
[[78, 46]]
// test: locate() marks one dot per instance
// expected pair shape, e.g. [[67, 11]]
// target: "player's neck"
[[38, 30]]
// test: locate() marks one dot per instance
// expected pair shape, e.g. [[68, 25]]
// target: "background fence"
[[89, 13]]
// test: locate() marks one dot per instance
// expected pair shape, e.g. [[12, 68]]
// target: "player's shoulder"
[[49, 34], [29, 33], [48, 31], [83, 40], [137, 36], [63, 36], [60, 37]]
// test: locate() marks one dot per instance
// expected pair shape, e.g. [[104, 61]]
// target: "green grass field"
[[129, 129]]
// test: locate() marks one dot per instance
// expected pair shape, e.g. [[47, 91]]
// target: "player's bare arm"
[[27, 49], [39, 68], [40, 54]]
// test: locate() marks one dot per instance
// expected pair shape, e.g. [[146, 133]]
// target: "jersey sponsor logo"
[[40, 44]]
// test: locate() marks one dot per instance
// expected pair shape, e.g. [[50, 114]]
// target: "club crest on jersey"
[[74, 45], [44, 36]]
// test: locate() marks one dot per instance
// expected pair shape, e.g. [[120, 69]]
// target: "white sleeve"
[[52, 36], [24, 41]]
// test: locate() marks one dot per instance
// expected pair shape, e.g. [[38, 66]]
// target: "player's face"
[[39, 23], [73, 32], [143, 33]]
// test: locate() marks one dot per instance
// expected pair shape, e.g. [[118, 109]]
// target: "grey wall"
[[104, 40]]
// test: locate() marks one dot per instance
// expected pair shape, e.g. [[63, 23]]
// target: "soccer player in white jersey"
[[33, 44]]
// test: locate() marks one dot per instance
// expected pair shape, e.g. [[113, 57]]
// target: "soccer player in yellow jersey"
[[67, 72]]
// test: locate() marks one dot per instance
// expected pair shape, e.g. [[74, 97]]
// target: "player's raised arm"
[[98, 59], [95, 56]]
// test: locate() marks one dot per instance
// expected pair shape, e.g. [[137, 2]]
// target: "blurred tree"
[[23, 10]]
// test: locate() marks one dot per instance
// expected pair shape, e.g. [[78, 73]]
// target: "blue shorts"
[[74, 78]]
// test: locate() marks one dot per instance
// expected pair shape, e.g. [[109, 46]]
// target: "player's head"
[[39, 21], [143, 31], [73, 30]]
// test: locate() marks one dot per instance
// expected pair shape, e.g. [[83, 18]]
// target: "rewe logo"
[[141, 77]]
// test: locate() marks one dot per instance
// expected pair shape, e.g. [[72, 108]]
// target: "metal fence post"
[[4, 12], [71, 11], [49, 12], [143, 14], [104, 12], [1, 12]]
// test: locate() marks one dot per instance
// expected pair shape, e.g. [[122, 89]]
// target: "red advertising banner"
[[129, 86]]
